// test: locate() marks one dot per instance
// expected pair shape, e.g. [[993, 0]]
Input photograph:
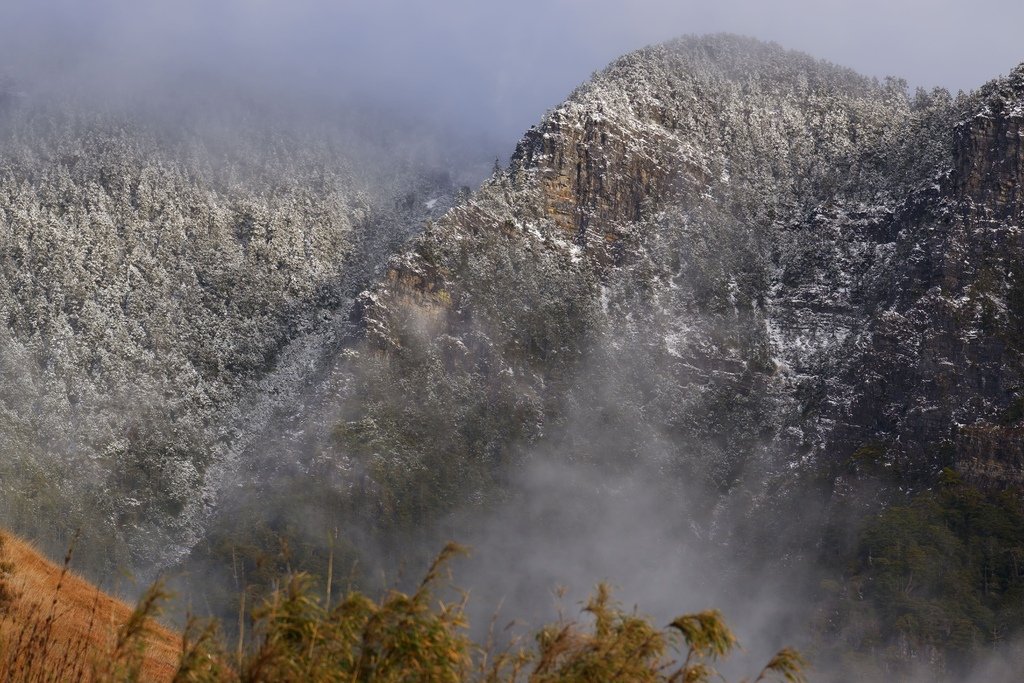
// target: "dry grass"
[[56, 626]]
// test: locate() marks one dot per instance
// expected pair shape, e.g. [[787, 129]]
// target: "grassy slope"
[[84, 618]]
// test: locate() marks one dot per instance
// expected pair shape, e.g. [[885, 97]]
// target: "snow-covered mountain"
[[762, 277], [771, 262], [165, 284]]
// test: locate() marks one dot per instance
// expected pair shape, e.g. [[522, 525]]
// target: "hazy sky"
[[489, 66]]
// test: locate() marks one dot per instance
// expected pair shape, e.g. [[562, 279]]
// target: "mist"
[[655, 540], [479, 71], [448, 86]]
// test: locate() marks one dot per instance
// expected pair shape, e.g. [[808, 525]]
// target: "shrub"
[[297, 636], [417, 638]]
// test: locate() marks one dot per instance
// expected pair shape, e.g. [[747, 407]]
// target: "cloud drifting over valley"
[[487, 68]]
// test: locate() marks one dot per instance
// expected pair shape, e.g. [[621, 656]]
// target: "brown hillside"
[[56, 626]]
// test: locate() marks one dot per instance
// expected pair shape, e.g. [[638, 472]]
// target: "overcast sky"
[[489, 66]]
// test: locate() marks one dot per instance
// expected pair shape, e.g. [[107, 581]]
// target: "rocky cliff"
[[776, 262]]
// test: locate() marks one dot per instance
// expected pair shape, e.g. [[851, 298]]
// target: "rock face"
[[750, 262], [990, 151], [940, 362]]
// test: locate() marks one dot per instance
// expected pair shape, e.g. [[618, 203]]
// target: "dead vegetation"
[[58, 628]]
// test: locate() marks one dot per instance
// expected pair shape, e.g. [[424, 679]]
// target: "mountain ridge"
[[770, 283]]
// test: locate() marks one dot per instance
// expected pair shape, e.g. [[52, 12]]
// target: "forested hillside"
[[751, 286], [733, 322], [165, 285]]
